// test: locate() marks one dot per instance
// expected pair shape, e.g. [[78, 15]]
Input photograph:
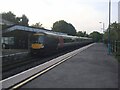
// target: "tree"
[[96, 36], [38, 25], [9, 16], [114, 32], [82, 34], [24, 20], [64, 27]]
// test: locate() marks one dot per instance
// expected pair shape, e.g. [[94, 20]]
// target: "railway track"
[[17, 66], [22, 78]]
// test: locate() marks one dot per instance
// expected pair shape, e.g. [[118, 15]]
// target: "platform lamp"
[[103, 26]]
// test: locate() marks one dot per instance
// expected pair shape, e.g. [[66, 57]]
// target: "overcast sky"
[[84, 15]]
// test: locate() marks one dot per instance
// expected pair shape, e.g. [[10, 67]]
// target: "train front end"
[[37, 43]]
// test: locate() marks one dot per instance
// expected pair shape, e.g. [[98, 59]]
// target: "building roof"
[[30, 29]]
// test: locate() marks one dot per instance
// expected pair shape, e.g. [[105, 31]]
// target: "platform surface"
[[92, 68]]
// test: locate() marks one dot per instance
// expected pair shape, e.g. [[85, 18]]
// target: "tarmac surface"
[[92, 68]]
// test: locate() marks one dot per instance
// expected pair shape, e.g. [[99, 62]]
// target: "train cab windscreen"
[[37, 39]]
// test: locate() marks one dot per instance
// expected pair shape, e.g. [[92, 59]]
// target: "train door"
[[61, 42]]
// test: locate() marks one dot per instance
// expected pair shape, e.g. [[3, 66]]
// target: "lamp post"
[[109, 46], [103, 26]]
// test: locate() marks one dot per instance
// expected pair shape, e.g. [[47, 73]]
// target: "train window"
[[34, 39], [73, 40], [41, 39], [52, 39], [67, 40], [77, 40], [37, 39]]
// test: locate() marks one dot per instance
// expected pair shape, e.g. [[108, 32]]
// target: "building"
[[18, 36], [119, 12], [5, 22]]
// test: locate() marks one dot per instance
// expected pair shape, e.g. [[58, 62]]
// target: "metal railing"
[[115, 47]]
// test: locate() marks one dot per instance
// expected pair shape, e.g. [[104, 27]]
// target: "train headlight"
[[37, 46]]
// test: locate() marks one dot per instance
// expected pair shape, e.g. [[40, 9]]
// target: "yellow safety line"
[[40, 73], [31, 78]]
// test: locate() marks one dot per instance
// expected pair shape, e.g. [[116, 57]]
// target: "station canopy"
[[17, 30]]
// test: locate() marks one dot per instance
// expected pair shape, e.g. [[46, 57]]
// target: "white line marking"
[[31, 78], [8, 82], [14, 54]]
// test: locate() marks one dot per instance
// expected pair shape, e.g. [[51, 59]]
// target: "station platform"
[[6, 52], [91, 68]]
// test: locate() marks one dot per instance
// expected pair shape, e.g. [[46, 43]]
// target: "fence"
[[115, 47]]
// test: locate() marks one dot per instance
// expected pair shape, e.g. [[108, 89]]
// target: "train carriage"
[[48, 42]]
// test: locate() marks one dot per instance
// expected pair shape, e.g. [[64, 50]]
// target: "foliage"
[[114, 32], [114, 39], [9, 16], [17, 20], [64, 27], [96, 36], [4, 26], [82, 34], [38, 25], [23, 20]]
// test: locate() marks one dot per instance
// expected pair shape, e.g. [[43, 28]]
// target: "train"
[[48, 42]]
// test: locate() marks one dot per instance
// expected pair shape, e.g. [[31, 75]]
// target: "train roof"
[[85, 38], [65, 35]]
